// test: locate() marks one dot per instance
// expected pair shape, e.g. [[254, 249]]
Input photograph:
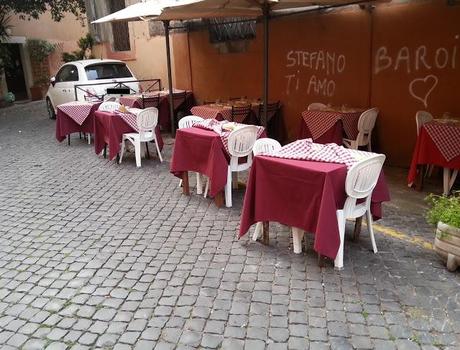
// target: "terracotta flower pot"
[[447, 244]]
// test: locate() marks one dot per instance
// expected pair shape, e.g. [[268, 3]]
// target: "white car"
[[87, 72]]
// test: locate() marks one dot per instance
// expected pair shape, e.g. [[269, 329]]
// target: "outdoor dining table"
[[438, 143], [109, 128], [302, 194], [223, 111], [202, 151], [76, 116], [329, 126], [164, 121]]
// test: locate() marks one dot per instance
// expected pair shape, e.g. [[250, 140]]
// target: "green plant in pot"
[[39, 51], [445, 213]]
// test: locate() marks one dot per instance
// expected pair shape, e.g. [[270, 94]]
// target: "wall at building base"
[[400, 57]]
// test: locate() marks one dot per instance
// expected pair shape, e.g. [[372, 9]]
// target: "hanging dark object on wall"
[[230, 29]]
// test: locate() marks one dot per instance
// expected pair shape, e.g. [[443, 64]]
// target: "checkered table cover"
[[78, 111], [446, 137], [129, 118], [319, 122], [306, 149], [216, 126], [212, 112]]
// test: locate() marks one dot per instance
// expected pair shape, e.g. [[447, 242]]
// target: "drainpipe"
[[170, 82]]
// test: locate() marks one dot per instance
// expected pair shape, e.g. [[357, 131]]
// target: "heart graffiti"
[[421, 88]]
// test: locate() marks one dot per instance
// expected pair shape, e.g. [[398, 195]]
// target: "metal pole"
[[170, 83], [266, 13]]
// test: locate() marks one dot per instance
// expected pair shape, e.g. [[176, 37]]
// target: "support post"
[[170, 83], [266, 14]]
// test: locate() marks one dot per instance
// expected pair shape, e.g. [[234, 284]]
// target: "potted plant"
[[39, 50], [445, 213]]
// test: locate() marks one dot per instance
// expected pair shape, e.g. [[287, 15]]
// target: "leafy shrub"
[[445, 209]]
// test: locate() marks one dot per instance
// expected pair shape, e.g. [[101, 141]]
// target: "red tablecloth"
[[66, 124], [333, 135], [320, 123], [427, 152], [164, 119], [302, 194], [109, 129], [202, 151]]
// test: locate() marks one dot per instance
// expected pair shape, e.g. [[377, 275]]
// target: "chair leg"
[[452, 178], [158, 150], [228, 189], [297, 235], [235, 180], [338, 262], [206, 188], [89, 139], [137, 151], [371, 230], [258, 231], [122, 151], [446, 180], [180, 183], [199, 185], [105, 151], [147, 150], [369, 146]]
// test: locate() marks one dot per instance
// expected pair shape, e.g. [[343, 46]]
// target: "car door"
[[63, 90]]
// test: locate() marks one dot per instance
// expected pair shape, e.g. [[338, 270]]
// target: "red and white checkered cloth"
[[216, 126], [78, 111], [331, 153], [212, 112], [446, 137], [319, 122], [129, 118]]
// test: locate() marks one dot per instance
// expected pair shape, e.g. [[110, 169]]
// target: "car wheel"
[[50, 108]]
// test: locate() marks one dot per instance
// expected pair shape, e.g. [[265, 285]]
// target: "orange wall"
[[364, 74]]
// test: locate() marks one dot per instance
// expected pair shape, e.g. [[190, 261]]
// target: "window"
[[67, 73], [107, 71], [120, 30]]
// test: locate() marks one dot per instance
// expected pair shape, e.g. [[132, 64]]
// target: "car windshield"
[[107, 71]]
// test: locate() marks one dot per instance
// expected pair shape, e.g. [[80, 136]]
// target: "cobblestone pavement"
[[99, 255]]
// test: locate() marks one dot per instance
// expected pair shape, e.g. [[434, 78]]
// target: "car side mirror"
[[53, 81]]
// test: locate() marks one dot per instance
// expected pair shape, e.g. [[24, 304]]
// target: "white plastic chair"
[[359, 184], [187, 122], [422, 117], [366, 124], [266, 146], [147, 120], [109, 106], [240, 144], [316, 106]]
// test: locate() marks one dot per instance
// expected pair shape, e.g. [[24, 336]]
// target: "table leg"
[[219, 199], [68, 139], [105, 151], [420, 177], [357, 231], [266, 233], [321, 260], [185, 184]]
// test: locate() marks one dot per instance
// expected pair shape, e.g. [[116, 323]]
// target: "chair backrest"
[[272, 109], [265, 146], [150, 101], [316, 106], [240, 113], [422, 117], [241, 141], [366, 124], [109, 106], [362, 176], [237, 98], [147, 120], [188, 121]]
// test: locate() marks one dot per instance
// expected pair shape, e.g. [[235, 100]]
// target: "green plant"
[[5, 27], [445, 209], [40, 49], [85, 44]]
